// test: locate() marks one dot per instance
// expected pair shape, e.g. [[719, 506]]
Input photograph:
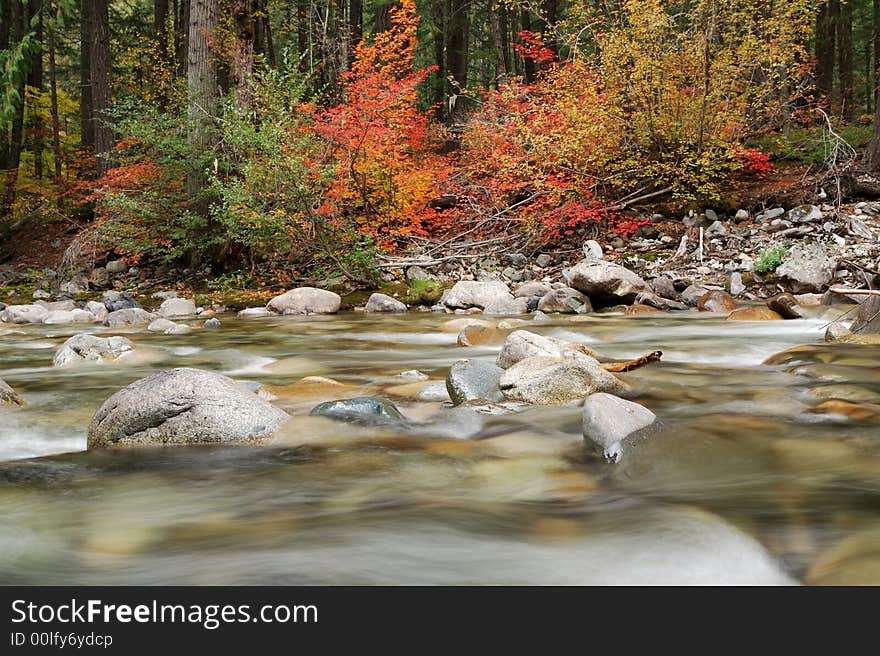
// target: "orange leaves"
[[377, 138]]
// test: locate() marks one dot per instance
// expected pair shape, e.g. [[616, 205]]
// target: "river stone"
[[806, 268], [167, 327], [417, 273], [507, 305], [58, 306], [384, 303], [664, 288], [716, 301], [522, 344], [69, 316], [24, 314], [835, 331], [128, 317], [786, 305], [606, 283], [213, 322], [473, 380], [658, 302], [367, 410], [176, 307], [116, 266], [8, 396], [804, 214], [754, 314], [641, 308], [91, 348], [306, 300], [256, 312], [692, 294], [868, 319], [481, 336], [565, 300], [609, 419], [98, 310], [183, 406], [533, 288], [735, 284], [118, 301], [470, 293], [549, 381], [854, 560]]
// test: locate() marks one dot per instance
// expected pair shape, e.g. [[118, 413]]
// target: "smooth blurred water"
[[745, 481]]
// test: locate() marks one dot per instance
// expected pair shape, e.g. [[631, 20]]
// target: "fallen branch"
[[854, 292], [620, 367]]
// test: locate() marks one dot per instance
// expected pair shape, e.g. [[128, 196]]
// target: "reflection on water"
[[760, 473]]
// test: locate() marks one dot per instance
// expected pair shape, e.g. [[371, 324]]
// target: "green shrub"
[[769, 259]]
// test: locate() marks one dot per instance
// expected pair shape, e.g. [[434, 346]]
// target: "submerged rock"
[[8, 396], [550, 381], [183, 406], [754, 314], [306, 300], [473, 380], [91, 348], [361, 410], [384, 303], [609, 419], [256, 312], [606, 283]]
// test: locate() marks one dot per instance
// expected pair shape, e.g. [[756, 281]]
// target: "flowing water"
[[757, 473]]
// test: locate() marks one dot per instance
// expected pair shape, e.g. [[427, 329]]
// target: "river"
[[749, 479]]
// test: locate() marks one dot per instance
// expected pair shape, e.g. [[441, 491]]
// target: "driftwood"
[[620, 367], [854, 292]]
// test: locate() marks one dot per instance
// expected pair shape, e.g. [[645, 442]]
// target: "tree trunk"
[[87, 128], [244, 53], [355, 25], [302, 35], [826, 46], [56, 123], [35, 79], [498, 43], [99, 65], [845, 58], [13, 146], [181, 35], [457, 53], [528, 65], [549, 10], [201, 95]]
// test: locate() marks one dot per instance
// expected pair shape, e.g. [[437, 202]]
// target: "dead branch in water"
[[621, 367]]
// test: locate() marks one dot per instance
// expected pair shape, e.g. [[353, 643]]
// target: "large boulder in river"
[[473, 380], [522, 344], [606, 283], [176, 307], [91, 348], [306, 300], [806, 268], [8, 396], [609, 419], [128, 317], [471, 293], [24, 314], [716, 300], [382, 303], [550, 381], [507, 305], [868, 319], [76, 315], [183, 406]]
